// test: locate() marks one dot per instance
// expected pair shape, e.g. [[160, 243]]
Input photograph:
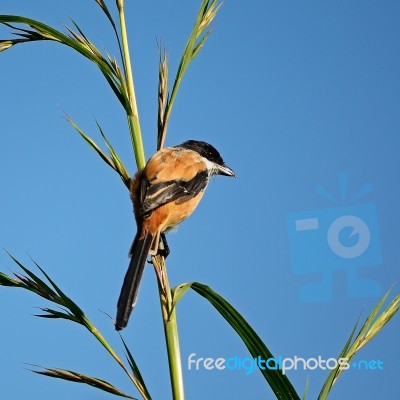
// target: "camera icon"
[[327, 240]]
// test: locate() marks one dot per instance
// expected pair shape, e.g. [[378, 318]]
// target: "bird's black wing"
[[157, 194]]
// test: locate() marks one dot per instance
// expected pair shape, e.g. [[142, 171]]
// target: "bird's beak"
[[225, 170]]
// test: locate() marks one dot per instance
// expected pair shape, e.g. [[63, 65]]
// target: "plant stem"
[[168, 313], [170, 329], [133, 116]]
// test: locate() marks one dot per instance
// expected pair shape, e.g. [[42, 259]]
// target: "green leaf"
[[104, 7], [371, 327], [72, 311], [207, 12], [163, 96], [91, 143], [305, 390], [135, 371], [334, 373], [369, 321], [72, 376], [106, 11], [6, 280], [50, 313], [33, 283], [179, 291], [113, 161], [67, 302], [278, 382], [119, 166], [41, 31]]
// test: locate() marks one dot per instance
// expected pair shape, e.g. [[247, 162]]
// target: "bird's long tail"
[[130, 288]]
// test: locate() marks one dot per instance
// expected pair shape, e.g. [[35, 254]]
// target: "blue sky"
[[295, 95]]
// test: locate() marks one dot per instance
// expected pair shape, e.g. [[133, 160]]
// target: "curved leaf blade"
[[77, 377], [278, 382], [40, 31], [135, 370]]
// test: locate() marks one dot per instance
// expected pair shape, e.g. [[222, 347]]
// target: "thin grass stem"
[[170, 329], [133, 115]]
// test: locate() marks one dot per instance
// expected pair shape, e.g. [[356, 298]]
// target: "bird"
[[164, 194]]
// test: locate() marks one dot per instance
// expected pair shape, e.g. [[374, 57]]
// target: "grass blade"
[[32, 283], [278, 382], [162, 97], [334, 373], [40, 31], [72, 311], [306, 390], [92, 143], [371, 327], [106, 11], [119, 166], [135, 370], [72, 376], [207, 12]]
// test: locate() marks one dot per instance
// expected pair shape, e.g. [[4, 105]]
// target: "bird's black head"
[[210, 153], [204, 149]]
